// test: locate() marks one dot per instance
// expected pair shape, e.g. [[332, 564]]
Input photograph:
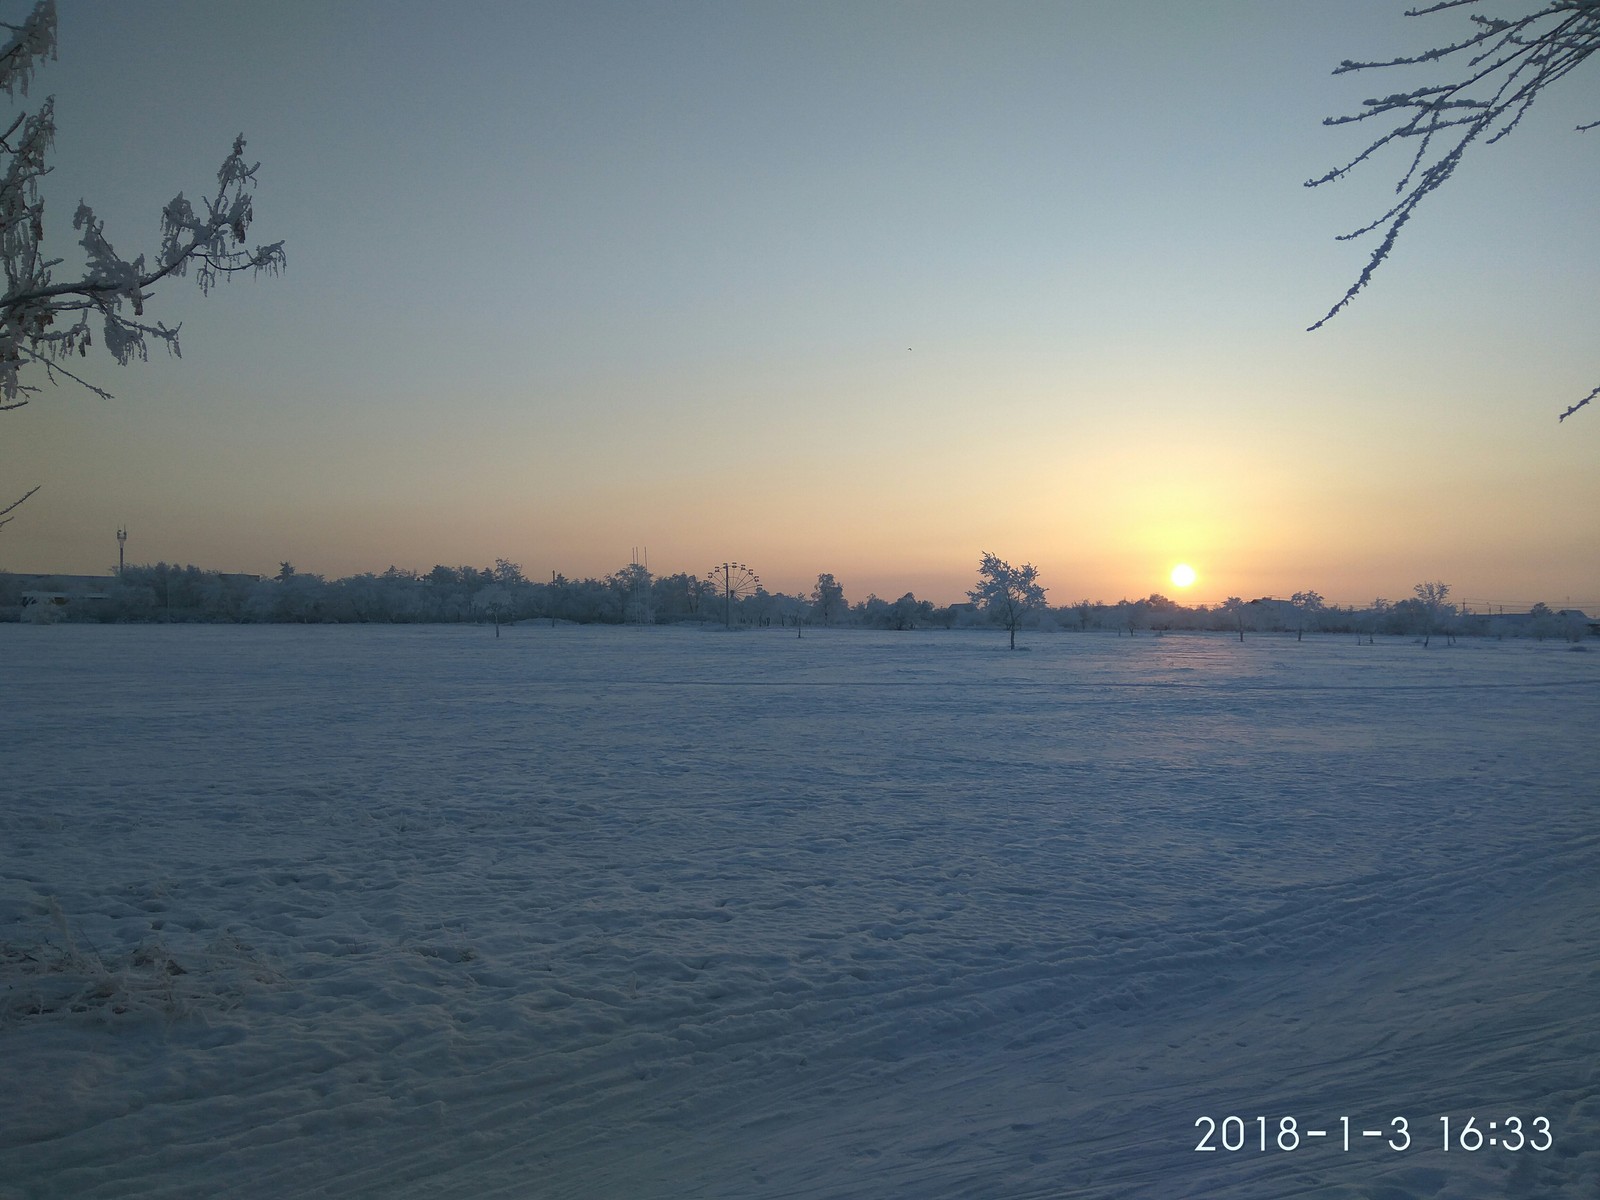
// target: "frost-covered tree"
[[1155, 612], [1006, 593], [633, 584], [1236, 609], [905, 613], [1432, 607], [1502, 65], [494, 600], [827, 598], [1308, 609], [50, 315], [677, 597], [7, 513], [795, 609], [1543, 622], [909, 612], [299, 596]]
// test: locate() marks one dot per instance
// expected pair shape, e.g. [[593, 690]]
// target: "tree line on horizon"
[[502, 594]]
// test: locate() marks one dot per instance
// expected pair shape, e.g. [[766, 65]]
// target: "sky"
[[866, 288]]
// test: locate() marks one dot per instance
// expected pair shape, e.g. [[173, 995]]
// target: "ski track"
[[407, 912]]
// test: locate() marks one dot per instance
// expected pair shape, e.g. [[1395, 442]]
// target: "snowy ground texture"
[[636, 913]]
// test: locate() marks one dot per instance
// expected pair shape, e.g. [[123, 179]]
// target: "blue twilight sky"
[[865, 288]]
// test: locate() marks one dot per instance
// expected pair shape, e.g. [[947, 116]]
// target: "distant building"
[[1561, 622], [60, 591]]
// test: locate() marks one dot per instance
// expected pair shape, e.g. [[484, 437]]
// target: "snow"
[[623, 912]]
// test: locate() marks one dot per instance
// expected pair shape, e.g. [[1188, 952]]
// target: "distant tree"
[[795, 610], [595, 600], [130, 598], [700, 595], [1543, 621], [1308, 607], [676, 597], [633, 586], [1128, 616], [1006, 593], [1156, 611], [908, 612], [1505, 63], [1432, 607], [300, 597], [359, 598], [757, 607], [1236, 609], [827, 598], [1375, 617], [873, 612], [495, 600], [399, 595], [45, 319]]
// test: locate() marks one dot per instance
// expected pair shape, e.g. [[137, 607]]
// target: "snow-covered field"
[[636, 913]]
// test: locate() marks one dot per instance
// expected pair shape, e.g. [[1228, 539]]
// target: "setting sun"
[[1183, 575]]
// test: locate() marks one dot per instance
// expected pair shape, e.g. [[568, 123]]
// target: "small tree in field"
[[1308, 610], [1007, 593], [495, 600], [797, 609], [1236, 609], [1503, 65], [1433, 607], [44, 319]]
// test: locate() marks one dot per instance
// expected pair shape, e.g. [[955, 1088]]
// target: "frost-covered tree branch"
[[5, 513], [46, 318], [1503, 66]]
